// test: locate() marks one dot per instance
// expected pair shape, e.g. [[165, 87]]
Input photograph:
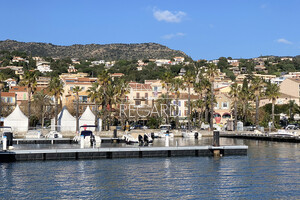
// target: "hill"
[[106, 52]]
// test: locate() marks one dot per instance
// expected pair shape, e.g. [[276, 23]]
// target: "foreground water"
[[270, 171]]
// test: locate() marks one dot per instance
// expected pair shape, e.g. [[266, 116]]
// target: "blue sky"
[[201, 29]]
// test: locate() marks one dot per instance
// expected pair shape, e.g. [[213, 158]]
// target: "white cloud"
[[172, 35], [284, 41], [167, 16]]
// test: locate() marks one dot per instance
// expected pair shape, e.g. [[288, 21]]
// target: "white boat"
[[89, 139], [164, 131], [283, 133], [33, 134], [137, 137], [130, 139], [191, 134], [53, 134], [6, 131]]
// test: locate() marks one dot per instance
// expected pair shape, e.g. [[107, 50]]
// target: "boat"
[[6, 131], [283, 132], [137, 138], [165, 130], [33, 134], [191, 134], [89, 138], [53, 134]]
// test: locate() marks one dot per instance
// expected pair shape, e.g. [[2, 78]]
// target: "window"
[[137, 95], [224, 105], [217, 105], [137, 103], [83, 99]]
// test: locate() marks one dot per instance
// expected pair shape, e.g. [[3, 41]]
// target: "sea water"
[[271, 170]]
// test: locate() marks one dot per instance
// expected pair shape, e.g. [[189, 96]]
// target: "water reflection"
[[270, 171]]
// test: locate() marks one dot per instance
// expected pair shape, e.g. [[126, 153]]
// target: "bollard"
[[216, 143], [167, 140], [4, 142], [82, 141], [115, 133], [216, 139]]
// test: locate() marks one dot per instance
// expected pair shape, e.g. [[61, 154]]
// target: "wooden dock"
[[123, 152]]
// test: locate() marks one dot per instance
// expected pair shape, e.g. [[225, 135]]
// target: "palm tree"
[[2, 78], [176, 85], [121, 89], [55, 89], [272, 92], [76, 91], [167, 80], [234, 94], [189, 79], [104, 81], [29, 81], [94, 95], [244, 97], [293, 107], [42, 100], [212, 73], [256, 88]]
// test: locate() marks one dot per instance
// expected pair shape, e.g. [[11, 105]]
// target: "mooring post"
[[82, 141], [167, 139], [4, 142], [216, 138], [115, 135], [216, 143]]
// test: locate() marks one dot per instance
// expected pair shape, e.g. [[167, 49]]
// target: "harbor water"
[[271, 170]]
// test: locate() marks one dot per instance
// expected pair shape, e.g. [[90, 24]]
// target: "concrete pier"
[[124, 152], [262, 137]]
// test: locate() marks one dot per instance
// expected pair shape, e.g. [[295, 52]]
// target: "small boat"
[[191, 134], [89, 139], [283, 133], [53, 134], [6, 131], [164, 131], [33, 134], [137, 138]]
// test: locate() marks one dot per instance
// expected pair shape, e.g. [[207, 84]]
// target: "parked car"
[[138, 126], [250, 128]]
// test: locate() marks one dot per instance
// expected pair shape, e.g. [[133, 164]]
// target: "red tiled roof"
[[7, 94], [140, 86]]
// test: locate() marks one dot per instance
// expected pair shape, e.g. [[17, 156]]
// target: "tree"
[[55, 89], [212, 72], [94, 95], [41, 100], [272, 92], [176, 85], [256, 88], [293, 107], [234, 94], [2, 78], [29, 81], [167, 81], [189, 79], [76, 91], [104, 81]]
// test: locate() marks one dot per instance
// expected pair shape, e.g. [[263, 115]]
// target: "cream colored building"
[[291, 89]]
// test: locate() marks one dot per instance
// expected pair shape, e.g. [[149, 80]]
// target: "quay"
[[123, 152], [265, 137]]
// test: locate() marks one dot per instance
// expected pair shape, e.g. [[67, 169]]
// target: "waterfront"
[[270, 171]]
